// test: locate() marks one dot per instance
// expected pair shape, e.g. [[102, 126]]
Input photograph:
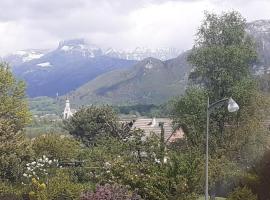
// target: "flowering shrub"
[[39, 169], [110, 192]]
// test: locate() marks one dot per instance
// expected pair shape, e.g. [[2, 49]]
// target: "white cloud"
[[118, 24]]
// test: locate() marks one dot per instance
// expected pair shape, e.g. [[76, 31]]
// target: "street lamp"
[[232, 107]]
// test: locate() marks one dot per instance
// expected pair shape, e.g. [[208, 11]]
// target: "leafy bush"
[[110, 192], [13, 158], [38, 190], [56, 147], [136, 163], [61, 187], [7, 192], [88, 123], [242, 194], [9, 197]]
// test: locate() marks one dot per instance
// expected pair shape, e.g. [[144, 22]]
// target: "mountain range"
[[72, 64], [150, 81], [88, 74], [64, 69]]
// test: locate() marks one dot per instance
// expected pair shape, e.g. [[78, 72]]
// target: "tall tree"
[[89, 123], [14, 115], [222, 57], [222, 53]]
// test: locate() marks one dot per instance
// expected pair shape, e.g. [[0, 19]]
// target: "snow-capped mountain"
[[260, 31], [79, 46], [141, 53], [23, 56], [71, 64]]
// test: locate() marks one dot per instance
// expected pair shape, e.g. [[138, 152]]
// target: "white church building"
[[68, 112]]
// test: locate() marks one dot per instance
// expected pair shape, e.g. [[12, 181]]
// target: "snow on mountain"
[[66, 48], [259, 26], [141, 53], [79, 46], [260, 31], [45, 64], [29, 55], [23, 56]]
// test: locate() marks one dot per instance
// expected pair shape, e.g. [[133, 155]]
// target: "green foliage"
[[108, 192], [189, 113], [88, 123], [222, 53], [40, 126], [139, 108], [184, 171], [38, 190], [222, 172], [264, 83], [12, 164], [10, 191], [14, 116], [222, 58], [242, 194], [61, 187], [13, 105], [149, 110], [56, 146], [44, 105], [136, 162], [257, 177]]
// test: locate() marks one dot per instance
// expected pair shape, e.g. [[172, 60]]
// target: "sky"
[[120, 24]]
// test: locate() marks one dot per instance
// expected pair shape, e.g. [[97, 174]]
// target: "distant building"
[[68, 112], [151, 126]]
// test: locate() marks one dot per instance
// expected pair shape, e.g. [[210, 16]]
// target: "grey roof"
[[146, 125]]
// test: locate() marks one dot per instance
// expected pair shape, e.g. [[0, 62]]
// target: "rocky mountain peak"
[[72, 42], [79, 46], [259, 26]]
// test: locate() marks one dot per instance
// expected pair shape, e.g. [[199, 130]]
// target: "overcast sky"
[[121, 24]]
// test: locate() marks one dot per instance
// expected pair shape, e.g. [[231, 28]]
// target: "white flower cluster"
[[39, 168]]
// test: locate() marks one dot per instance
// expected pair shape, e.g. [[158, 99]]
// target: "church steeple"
[[67, 111]]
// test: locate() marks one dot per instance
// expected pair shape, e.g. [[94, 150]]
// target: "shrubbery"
[[62, 187], [56, 146], [242, 194], [110, 192], [9, 192]]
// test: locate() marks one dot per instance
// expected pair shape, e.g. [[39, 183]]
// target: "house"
[[152, 126]]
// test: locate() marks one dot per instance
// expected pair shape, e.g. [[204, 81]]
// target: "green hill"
[[150, 81]]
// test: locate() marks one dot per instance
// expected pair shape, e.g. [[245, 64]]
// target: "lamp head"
[[232, 106]]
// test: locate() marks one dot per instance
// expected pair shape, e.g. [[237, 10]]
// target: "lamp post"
[[232, 107]]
